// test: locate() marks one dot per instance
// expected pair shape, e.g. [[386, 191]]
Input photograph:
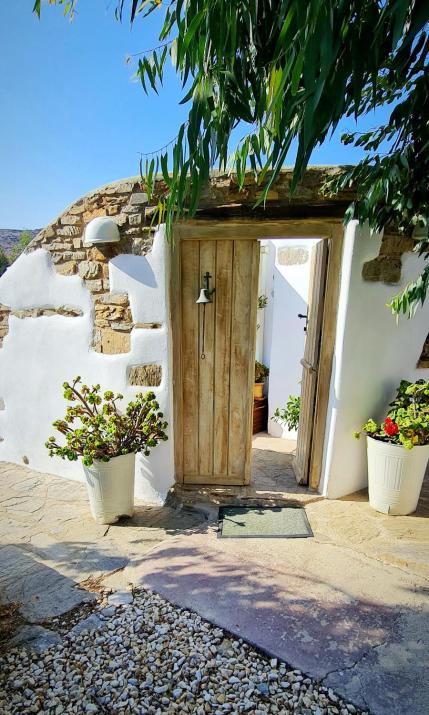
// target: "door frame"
[[331, 230]]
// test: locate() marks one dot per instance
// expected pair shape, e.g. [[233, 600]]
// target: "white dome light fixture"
[[102, 229]]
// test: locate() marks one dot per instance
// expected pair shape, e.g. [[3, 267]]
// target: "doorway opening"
[[292, 277], [214, 316]]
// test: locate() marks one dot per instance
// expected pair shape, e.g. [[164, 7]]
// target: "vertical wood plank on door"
[[253, 301], [223, 284], [240, 399], [206, 365], [190, 268]]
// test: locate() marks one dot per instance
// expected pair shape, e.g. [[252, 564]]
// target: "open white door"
[[310, 361]]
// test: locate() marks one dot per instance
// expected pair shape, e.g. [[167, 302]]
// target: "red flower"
[[390, 427]]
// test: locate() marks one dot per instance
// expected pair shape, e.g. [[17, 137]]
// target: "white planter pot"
[[111, 488], [395, 476]]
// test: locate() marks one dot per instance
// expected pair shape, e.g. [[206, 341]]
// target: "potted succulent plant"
[[398, 450], [107, 440]]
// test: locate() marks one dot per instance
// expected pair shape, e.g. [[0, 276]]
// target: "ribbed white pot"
[[111, 488], [395, 476]]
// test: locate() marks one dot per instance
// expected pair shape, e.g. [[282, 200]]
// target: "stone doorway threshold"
[[272, 482]]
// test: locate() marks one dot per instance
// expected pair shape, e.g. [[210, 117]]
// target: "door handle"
[[305, 317]]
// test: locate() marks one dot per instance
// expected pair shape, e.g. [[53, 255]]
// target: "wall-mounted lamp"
[[206, 292], [205, 297], [102, 229]]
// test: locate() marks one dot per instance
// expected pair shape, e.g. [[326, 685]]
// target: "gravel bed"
[[149, 657]]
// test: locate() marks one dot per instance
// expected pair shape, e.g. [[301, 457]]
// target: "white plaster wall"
[[372, 354], [39, 354], [285, 340]]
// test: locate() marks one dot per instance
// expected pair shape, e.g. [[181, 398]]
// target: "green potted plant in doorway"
[[261, 376], [107, 440]]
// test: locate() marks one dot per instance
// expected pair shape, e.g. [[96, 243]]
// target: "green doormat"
[[253, 522]]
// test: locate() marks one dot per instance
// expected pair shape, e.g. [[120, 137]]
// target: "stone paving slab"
[[334, 613], [50, 545], [349, 606], [42, 591]]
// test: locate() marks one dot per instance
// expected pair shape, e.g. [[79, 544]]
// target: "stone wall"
[[64, 239], [127, 204], [387, 266]]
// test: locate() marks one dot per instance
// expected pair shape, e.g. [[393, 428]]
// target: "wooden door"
[[310, 361], [214, 441]]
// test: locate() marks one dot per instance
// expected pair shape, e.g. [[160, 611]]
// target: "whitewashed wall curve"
[[39, 353]]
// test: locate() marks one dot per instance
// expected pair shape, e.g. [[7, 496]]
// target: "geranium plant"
[[95, 428], [407, 422]]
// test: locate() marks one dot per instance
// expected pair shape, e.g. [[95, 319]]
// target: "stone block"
[[396, 245], [95, 286], [150, 212], [79, 255], [89, 269], [149, 375], [35, 638], [69, 231], [382, 268], [90, 623], [60, 244], [121, 219], [292, 256], [126, 327], [131, 209], [142, 245], [46, 234], [121, 187], [120, 598], [70, 220], [66, 269], [113, 342], [100, 254], [135, 219], [114, 299], [93, 213], [113, 209], [77, 208], [77, 242], [70, 311], [138, 198]]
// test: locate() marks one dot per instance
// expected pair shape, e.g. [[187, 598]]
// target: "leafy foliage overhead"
[[285, 70]]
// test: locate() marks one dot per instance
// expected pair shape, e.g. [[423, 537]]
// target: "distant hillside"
[[10, 236]]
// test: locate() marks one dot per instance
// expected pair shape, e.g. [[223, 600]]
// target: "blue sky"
[[71, 116]]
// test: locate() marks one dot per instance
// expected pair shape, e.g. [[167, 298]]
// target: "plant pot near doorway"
[[258, 390], [261, 376], [398, 450], [395, 476], [110, 487], [107, 440]]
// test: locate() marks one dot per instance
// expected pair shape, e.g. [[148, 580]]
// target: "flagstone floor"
[[348, 607]]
